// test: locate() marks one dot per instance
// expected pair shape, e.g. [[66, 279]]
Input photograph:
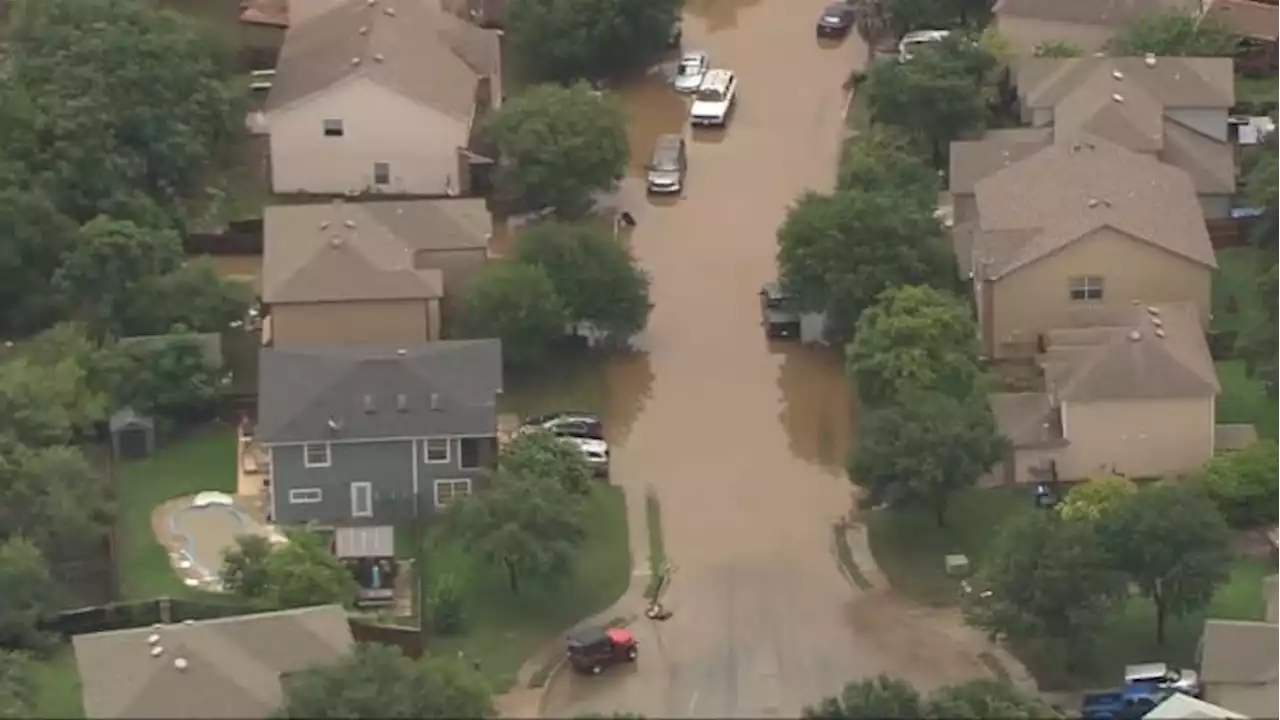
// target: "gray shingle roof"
[[448, 387], [1109, 13]]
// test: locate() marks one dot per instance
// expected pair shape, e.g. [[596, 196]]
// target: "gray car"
[[667, 165], [689, 73]]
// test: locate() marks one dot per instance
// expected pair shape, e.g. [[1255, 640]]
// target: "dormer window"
[[333, 128]]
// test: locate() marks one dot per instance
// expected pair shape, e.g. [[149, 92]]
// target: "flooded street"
[[742, 441]]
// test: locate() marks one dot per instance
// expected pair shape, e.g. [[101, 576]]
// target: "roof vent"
[[1117, 74], [153, 638], [324, 224], [188, 622], [335, 241], [435, 401], [1149, 59], [1093, 202], [369, 407], [402, 403], [1157, 322], [1117, 97], [335, 424], [390, 11], [1136, 302], [370, 3], [180, 664], [349, 224], [1153, 310], [1160, 333], [364, 30], [157, 651], [401, 352], [1134, 335], [1099, 54], [355, 61], [378, 57], [157, 626]]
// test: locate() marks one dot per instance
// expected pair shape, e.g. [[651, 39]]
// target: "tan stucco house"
[[1174, 109], [1087, 24], [1238, 666], [1082, 222], [379, 96], [1129, 389], [373, 273]]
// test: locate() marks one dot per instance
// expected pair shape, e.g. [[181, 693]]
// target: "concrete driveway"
[[743, 442]]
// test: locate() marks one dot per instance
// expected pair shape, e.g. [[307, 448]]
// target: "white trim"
[[312, 496], [413, 463], [1062, 417], [426, 450], [368, 489], [271, 484], [435, 489], [306, 456], [398, 438]]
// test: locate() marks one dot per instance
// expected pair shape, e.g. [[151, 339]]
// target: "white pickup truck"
[[714, 99]]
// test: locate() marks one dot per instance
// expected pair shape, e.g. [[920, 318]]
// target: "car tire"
[[596, 669]]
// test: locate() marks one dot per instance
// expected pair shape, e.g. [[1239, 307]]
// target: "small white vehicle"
[[1186, 682], [714, 99], [913, 41], [595, 452], [691, 71]]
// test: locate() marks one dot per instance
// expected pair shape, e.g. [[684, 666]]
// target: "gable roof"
[[1173, 82], [365, 251], [1108, 13], [972, 160], [440, 388], [1258, 20], [1184, 707], [410, 47], [233, 665], [1069, 190], [1238, 666], [1130, 352]]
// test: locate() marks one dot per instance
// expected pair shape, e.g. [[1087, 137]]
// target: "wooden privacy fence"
[[410, 640], [1230, 232]]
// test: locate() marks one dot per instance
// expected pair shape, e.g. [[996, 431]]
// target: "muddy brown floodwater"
[[743, 441]]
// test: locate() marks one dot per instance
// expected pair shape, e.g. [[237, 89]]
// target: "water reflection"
[[817, 409], [718, 14], [629, 382], [654, 109]]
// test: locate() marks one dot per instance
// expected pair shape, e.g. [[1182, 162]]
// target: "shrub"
[[1244, 485], [1093, 499], [445, 604]]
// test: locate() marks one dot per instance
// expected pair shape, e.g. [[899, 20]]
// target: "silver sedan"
[[689, 73]]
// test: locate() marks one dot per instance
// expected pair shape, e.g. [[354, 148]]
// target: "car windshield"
[[690, 66], [710, 94], [663, 163]]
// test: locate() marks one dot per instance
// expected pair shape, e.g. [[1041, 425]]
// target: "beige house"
[[374, 273], [1130, 389], [1174, 109], [1077, 224], [379, 96], [1087, 24], [1238, 667]]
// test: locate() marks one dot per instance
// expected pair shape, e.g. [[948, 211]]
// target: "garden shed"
[[133, 435]]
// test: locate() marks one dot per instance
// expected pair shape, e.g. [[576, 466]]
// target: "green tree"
[[111, 258], [516, 303], [34, 237], [878, 697], [66, 350], [981, 699], [543, 455], [377, 681], [1058, 49], [1243, 485], [299, 573], [194, 297], [1096, 498], [17, 685], [1261, 190], [41, 405], [1172, 543], [883, 158], [566, 40], [27, 598], [923, 448], [1259, 335], [170, 377], [54, 498], [911, 15], [120, 99], [1046, 580], [593, 274], [1175, 33], [915, 337], [529, 526], [837, 253], [559, 146]]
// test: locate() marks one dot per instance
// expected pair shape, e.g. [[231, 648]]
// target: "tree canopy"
[[1094, 499], [883, 158], [299, 573], [559, 146], [1243, 485], [543, 455], [837, 253], [915, 337], [54, 498], [594, 275], [377, 681], [516, 303], [1171, 542], [170, 378], [17, 685], [566, 40], [924, 447], [28, 596], [889, 697], [1175, 33]]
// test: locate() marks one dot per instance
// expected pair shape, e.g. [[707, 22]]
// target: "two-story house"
[[379, 96], [375, 273], [1174, 109], [360, 436], [1081, 222]]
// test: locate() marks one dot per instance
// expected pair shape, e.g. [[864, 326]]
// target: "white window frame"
[[386, 179], [367, 488], [426, 451], [306, 496], [306, 455], [435, 490], [333, 127], [1084, 285], [478, 464]]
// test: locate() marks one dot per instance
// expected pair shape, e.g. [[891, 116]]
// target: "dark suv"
[[777, 313]]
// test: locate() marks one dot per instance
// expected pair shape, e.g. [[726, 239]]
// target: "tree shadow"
[[817, 410]]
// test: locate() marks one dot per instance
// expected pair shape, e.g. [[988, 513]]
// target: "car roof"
[[588, 635], [693, 55], [772, 290], [717, 78], [667, 141], [925, 35]]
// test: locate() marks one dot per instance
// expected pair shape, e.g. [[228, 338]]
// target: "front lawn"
[[58, 686], [504, 630], [1244, 400], [202, 460], [1234, 286], [1256, 91]]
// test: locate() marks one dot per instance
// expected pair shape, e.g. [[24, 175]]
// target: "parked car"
[[1129, 703], [592, 649], [568, 423], [714, 99], [777, 314], [595, 452], [690, 72], [1186, 682], [667, 165], [913, 41], [835, 21]]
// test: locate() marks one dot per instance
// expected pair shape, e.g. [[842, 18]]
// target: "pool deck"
[[253, 471]]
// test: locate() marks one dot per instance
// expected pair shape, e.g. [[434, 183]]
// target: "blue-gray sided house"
[[371, 436]]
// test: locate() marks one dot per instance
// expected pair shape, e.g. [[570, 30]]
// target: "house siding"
[[1034, 299], [420, 144], [459, 267], [1025, 34], [368, 322], [1137, 437]]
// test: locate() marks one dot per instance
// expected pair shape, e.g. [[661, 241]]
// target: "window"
[[361, 499], [305, 496], [316, 455], [333, 128], [474, 452], [381, 173], [1088, 287], [435, 450], [448, 491]]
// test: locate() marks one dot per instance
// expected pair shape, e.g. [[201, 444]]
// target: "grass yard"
[[58, 686], [1256, 91], [1234, 288], [1244, 400], [203, 460], [504, 630]]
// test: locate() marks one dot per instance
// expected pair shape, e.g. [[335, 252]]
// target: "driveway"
[[744, 443]]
